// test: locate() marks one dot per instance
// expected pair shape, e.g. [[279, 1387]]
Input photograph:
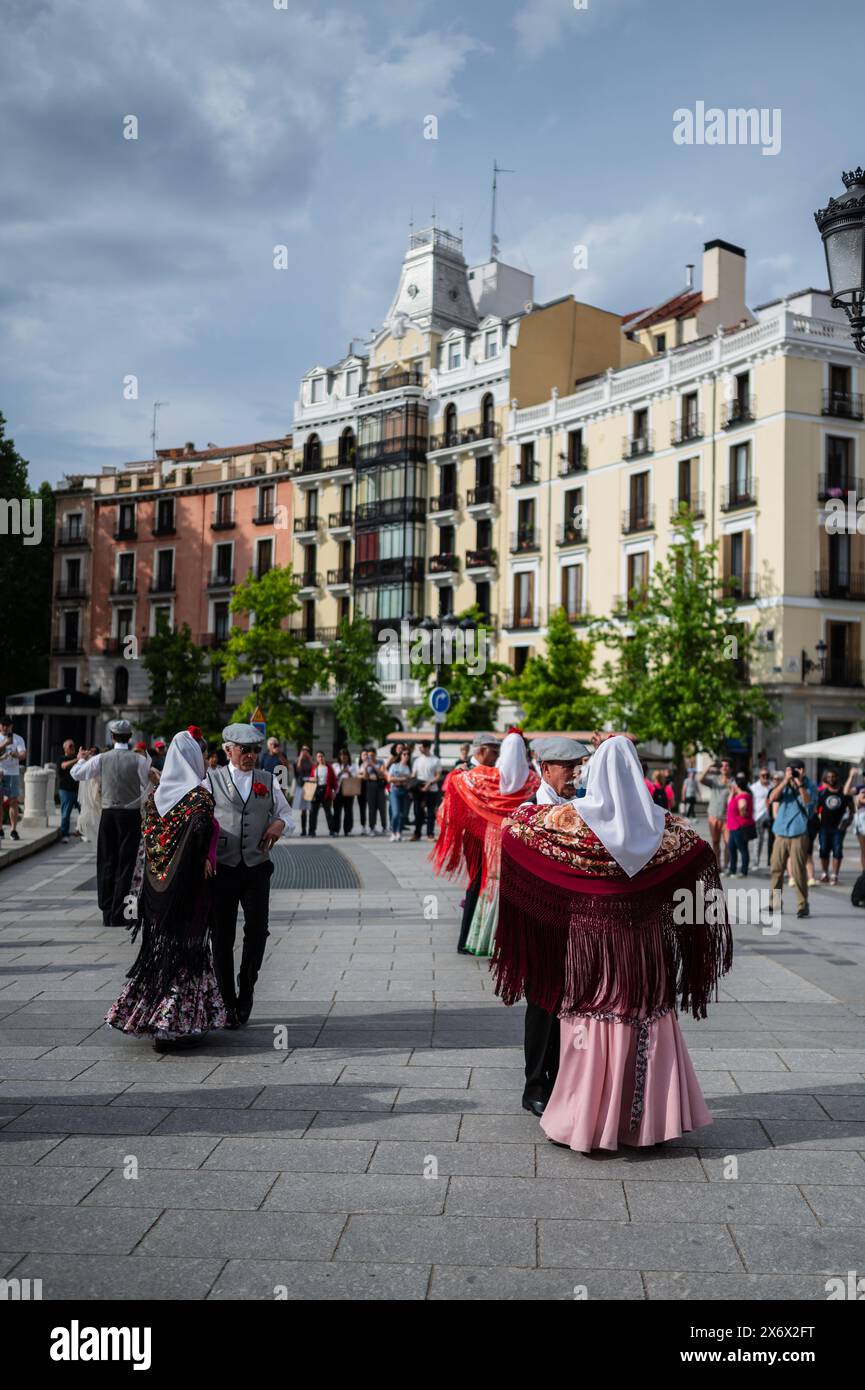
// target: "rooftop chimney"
[[689, 277]]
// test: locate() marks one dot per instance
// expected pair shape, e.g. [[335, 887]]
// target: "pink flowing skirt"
[[590, 1107]]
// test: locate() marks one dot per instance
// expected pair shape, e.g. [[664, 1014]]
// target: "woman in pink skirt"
[[612, 916]]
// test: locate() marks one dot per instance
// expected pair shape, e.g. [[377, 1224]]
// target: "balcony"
[[307, 526], [744, 588], [265, 518], [568, 534], [445, 563], [742, 411], [400, 567], [525, 474], [66, 646], [113, 646], [576, 460], [736, 495], [844, 405], [213, 640], [687, 429], [842, 672], [576, 617], [638, 446], [121, 588], [515, 619], [829, 584], [638, 519], [310, 580], [166, 528], [396, 381], [125, 533], [391, 509], [72, 536], [484, 496], [830, 485], [70, 588], [337, 577], [525, 538], [340, 521], [223, 523], [485, 558], [444, 502], [693, 506], [222, 579], [406, 448], [317, 461], [315, 636], [162, 584], [475, 434]]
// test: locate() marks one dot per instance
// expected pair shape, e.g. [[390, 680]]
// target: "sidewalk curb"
[[28, 847]]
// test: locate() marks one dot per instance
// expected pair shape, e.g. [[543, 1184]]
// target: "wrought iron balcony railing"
[[485, 495], [525, 538], [689, 427], [831, 584], [638, 519], [846, 405], [485, 558], [739, 494], [741, 411], [637, 446]]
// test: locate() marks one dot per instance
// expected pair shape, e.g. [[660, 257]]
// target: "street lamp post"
[[842, 226]]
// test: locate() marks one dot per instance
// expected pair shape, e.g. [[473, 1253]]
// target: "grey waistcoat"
[[121, 787], [241, 824]]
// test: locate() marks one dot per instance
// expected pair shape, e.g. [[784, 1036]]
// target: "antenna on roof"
[[494, 241], [689, 277], [156, 406]]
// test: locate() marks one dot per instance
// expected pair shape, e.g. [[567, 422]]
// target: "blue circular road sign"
[[440, 700]]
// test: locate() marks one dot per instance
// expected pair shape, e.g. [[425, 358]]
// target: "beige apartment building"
[[750, 421]]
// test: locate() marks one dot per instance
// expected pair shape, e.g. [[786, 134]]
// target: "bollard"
[[36, 781], [51, 793]]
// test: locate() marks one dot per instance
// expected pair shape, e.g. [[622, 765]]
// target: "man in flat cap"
[[124, 778], [559, 759], [253, 814], [476, 801]]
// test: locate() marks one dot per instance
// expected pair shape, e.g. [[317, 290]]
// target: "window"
[[446, 540], [162, 619], [660, 342], [126, 519], [526, 524], [639, 497], [165, 514], [222, 563], [347, 447], [266, 498], [73, 576], [126, 573], [484, 534], [641, 424], [223, 508], [316, 390], [638, 573], [121, 685], [312, 509], [740, 472], [575, 450], [519, 657], [572, 590], [74, 524], [164, 569], [482, 599], [450, 424], [71, 631], [491, 343], [574, 514], [352, 381], [484, 471], [312, 452], [221, 621], [524, 600], [839, 471], [743, 393], [446, 601], [685, 494], [124, 621], [455, 356], [488, 416], [264, 560]]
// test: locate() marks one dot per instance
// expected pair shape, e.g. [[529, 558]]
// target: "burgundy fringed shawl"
[[473, 805], [576, 935]]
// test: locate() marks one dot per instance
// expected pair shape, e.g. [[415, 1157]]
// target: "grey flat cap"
[[486, 741], [242, 733], [560, 750], [121, 728]]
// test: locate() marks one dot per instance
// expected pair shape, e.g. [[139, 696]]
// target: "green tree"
[[475, 685], [26, 567], [680, 673], [290, 669], [358, 703], [554, 689], [180, 689]]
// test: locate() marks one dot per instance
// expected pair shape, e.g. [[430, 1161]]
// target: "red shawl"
[[472, 804], [576, 935]]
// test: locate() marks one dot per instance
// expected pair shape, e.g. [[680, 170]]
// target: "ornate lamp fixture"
[[842, 226]]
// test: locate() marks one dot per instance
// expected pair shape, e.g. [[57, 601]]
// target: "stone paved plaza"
[[289, 1159]]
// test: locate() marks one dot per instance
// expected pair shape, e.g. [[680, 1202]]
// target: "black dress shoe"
[[537, 1107], [244, 1009], [231, 1019]]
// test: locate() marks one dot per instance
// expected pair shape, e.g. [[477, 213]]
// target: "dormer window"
[[455, 356], [316, 390], [491, 343], [352, 381]]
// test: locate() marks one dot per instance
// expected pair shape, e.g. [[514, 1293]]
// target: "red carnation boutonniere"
[[259, 789]]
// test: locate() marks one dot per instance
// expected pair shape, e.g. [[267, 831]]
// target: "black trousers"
[[116, 851], [473, 892], [343, 813], [315, 806], [249, 888], [425, 807], [375, 802], [542, 1053]]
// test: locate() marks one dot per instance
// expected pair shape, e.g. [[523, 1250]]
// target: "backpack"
[[857, 897], [659, 796]]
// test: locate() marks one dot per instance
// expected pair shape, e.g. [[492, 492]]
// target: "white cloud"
[[542, 25]]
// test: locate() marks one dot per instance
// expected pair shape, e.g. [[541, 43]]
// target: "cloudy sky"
[[301, 122]]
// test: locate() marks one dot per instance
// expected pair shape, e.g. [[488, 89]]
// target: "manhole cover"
[[301, 866]]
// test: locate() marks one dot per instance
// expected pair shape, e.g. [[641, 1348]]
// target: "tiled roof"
[[681, 306]]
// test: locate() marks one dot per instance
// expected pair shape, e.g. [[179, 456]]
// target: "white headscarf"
[[183, 770], [618, 808], [513, 764]]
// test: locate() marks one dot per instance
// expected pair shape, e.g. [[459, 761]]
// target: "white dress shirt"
[[243, 782], [87, 768], [427, 769]]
